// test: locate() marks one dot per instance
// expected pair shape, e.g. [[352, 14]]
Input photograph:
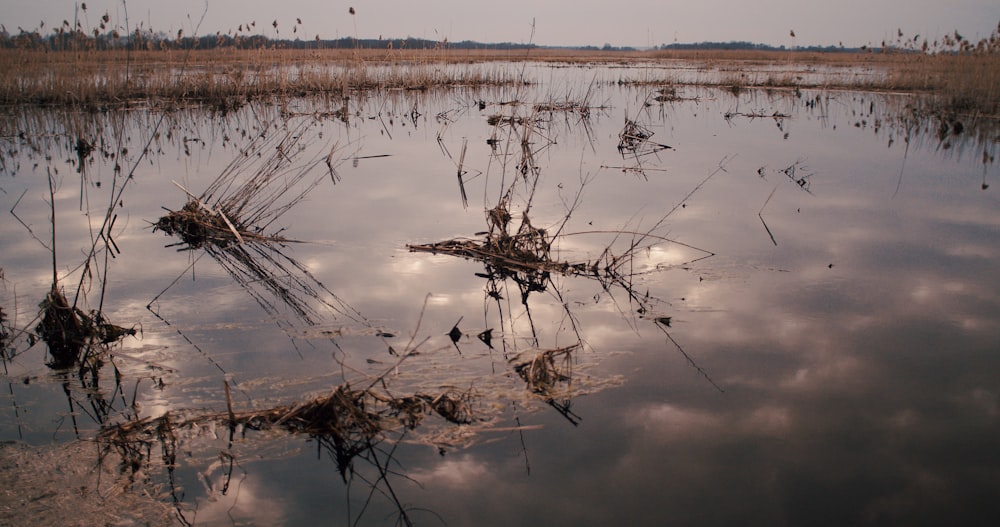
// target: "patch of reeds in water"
[[540, 371], [231, 221], [72, 335], [526, 250], [346, 421], [251, 192], [197, 226]]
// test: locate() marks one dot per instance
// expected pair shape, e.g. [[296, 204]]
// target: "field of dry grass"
[[966, 82]]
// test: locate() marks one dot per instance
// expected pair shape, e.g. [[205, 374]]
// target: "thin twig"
[[461, 184], [31, 232], [701, 371], [52, 208], [761, 212]]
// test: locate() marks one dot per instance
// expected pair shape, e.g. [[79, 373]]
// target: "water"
[[805, 332]]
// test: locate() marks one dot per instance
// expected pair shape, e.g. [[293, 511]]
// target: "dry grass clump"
[[72, 335], [255, 189], [62, 328], [344, 416], [548, 375], [349, 424], [582, 106], [198, 226], [231, 221], [527, 250], [542, 373], [453, 405], [529, 246], [349, 421], [636, 139], [341, 421], [523, 252]]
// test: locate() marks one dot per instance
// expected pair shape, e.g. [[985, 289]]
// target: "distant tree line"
[[62, 40], [743, 45]]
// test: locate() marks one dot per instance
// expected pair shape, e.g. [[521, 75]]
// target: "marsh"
[[637, 303]]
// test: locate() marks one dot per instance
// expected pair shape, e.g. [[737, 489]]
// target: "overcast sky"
[[580, 22]]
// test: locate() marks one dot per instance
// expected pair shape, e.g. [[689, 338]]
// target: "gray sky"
[[581, 22]]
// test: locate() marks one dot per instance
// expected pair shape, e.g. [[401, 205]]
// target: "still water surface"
[[805, 329]]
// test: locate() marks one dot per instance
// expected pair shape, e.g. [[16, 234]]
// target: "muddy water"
[[793, 318]]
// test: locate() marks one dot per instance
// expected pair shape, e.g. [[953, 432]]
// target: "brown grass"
[[964, 81], [960, 84], [223, 77]]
